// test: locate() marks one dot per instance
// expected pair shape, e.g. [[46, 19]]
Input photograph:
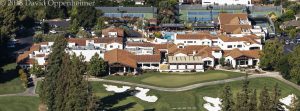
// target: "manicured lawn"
[[9, 80], [188, 99], [19, 103], [176, 79]]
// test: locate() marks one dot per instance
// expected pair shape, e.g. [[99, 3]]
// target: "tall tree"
[[54, 68], [294, 61], [85, 16], [79, 92], [265, 100], [245, 93], [243, 97], [167, 11], [253, 101], [271, 54], [284, 66], [9, 16], [227, 99], [276, 105], [97, 66], [65, 89]]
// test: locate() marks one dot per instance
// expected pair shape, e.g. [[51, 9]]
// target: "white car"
[[53, 31]]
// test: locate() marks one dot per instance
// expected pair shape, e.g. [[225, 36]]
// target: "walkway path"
[[31, 91], [198, 85]]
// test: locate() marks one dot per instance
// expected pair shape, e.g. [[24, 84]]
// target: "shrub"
[[23, 77]]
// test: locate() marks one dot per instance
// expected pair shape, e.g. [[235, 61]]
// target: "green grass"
[[9, 80], [19, 103], [191, 98], [176, 79]]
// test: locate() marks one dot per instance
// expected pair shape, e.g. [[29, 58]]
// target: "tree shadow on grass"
[[8, 75], [107, 103]]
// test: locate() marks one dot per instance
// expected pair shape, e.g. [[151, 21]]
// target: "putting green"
[[176, 79], [179, 80]]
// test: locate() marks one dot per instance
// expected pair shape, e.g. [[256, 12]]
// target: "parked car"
[[53, 31], [298, 41], [287, 42]]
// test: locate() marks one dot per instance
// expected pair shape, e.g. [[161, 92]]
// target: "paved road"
[[198, 85]]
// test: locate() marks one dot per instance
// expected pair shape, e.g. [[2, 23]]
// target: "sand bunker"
[[287, 101], [213, 104], [142, 94], [115, 88]]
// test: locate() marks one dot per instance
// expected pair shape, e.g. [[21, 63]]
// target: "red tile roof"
[[235, 53], [250, 39], [148, 58], [78, 41], [120, 56], [140, 44], [203, 51], [230, 23], [22, 57], [108, 40], [195, 36], [119, 31]]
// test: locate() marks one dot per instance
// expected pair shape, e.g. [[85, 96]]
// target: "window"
[[194, 41], [239, 46], [184, 41], [202, 43], [229, 46], [111, 46], [242, 62], [189, 41]]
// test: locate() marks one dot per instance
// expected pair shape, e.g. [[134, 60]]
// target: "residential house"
[[209, 55], [113, 32], [140, 48], [225, 42], [38, 53], [89, 47], [238, 25], [122, 61], [292, 23], [249, 42], [184, 64], [237, 58], [148, 62], [195, 39]]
